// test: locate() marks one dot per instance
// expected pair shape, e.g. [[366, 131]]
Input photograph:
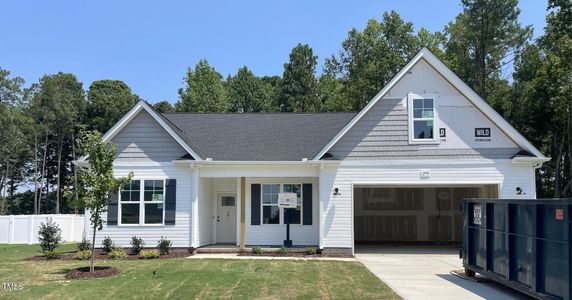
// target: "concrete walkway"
[[425, 273], [236, 256]]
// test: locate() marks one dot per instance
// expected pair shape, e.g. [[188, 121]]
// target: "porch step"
[[227, 249], [217, 250]]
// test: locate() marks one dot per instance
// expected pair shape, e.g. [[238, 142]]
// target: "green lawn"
[[189, 278]]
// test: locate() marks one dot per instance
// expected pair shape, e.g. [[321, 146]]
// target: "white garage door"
[[411, 214]]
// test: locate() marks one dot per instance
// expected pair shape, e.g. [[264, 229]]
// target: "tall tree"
[[204, 90], [371, 57], [481, 41], [163, 106], [542, 107], [330, 91], [108, 100], [13, 148], [299, 91], [60, 102], [248, 93]]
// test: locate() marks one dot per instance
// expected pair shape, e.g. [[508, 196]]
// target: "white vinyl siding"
[[144, 140]]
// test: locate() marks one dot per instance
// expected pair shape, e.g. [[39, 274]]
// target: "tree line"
[[41, 123]]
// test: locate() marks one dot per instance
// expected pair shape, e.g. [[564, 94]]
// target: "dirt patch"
[[98, 272], [101, 255]]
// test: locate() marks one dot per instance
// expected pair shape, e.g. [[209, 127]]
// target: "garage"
[[412, 214]]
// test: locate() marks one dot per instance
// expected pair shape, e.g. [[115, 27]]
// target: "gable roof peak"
[[459, 84]]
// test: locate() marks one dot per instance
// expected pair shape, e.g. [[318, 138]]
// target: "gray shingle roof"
[[257, 136]]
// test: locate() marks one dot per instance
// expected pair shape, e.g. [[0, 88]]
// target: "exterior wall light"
[[337, 192]]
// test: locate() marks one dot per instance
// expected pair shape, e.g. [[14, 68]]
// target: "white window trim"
[[412, 139], [141, 204], [281, 217]]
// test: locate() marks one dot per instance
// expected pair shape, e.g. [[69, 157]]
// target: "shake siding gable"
[[143, 140], [382, 133]]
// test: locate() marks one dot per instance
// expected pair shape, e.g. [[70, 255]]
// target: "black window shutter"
[[170, 201], [255, 204], [307, 204], [112, 209]]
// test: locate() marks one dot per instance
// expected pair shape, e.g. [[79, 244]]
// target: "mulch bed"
[[101, 255], [275, 254], [294, 254], [98, 272]]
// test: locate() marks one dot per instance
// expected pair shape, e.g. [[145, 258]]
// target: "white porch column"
[[194, 206], [325, 183]]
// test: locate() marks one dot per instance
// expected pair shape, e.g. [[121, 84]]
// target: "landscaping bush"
[[50, 236], [53, 254], [136, 245], [107, 244], [282, 250], [164, 245], [149, 254], [311, 250], [83, 255], [84, 244], [117, 253], [256, 250]]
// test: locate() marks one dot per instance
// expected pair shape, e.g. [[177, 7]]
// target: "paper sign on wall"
[[477, 213], [288, 200]]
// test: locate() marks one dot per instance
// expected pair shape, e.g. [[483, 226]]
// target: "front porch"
[[233, 214]]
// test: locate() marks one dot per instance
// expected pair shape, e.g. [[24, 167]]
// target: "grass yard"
[[189, 278]]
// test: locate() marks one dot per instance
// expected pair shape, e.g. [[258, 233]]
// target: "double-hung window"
[[141, 202], [270, 209], [423, 119], [271, 212]]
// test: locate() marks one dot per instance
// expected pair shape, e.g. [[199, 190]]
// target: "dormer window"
[[423, 121]]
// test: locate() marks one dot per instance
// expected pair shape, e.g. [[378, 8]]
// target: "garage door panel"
[[388, 228]]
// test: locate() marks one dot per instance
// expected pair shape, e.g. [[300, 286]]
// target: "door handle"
[[218, 218]]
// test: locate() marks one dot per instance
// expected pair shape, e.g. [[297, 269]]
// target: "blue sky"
[[150, 44]]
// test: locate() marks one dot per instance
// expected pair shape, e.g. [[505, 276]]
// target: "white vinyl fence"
[[23, 229]]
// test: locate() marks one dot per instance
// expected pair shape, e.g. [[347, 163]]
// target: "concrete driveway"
[[425, 273]]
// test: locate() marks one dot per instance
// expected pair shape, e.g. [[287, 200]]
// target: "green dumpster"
[[524, 244]]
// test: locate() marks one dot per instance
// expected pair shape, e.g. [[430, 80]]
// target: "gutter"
[[210, 162]]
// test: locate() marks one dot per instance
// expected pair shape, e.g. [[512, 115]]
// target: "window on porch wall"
[[271, 213]]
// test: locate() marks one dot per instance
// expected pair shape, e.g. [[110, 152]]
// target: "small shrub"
[[117, 253], [53, 254], [84, 244], [149, 254], [83, 255], [107, 244], [282, 250], [311, 250], [136, 245], [164, 245], [256, 250], [50, 236]]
